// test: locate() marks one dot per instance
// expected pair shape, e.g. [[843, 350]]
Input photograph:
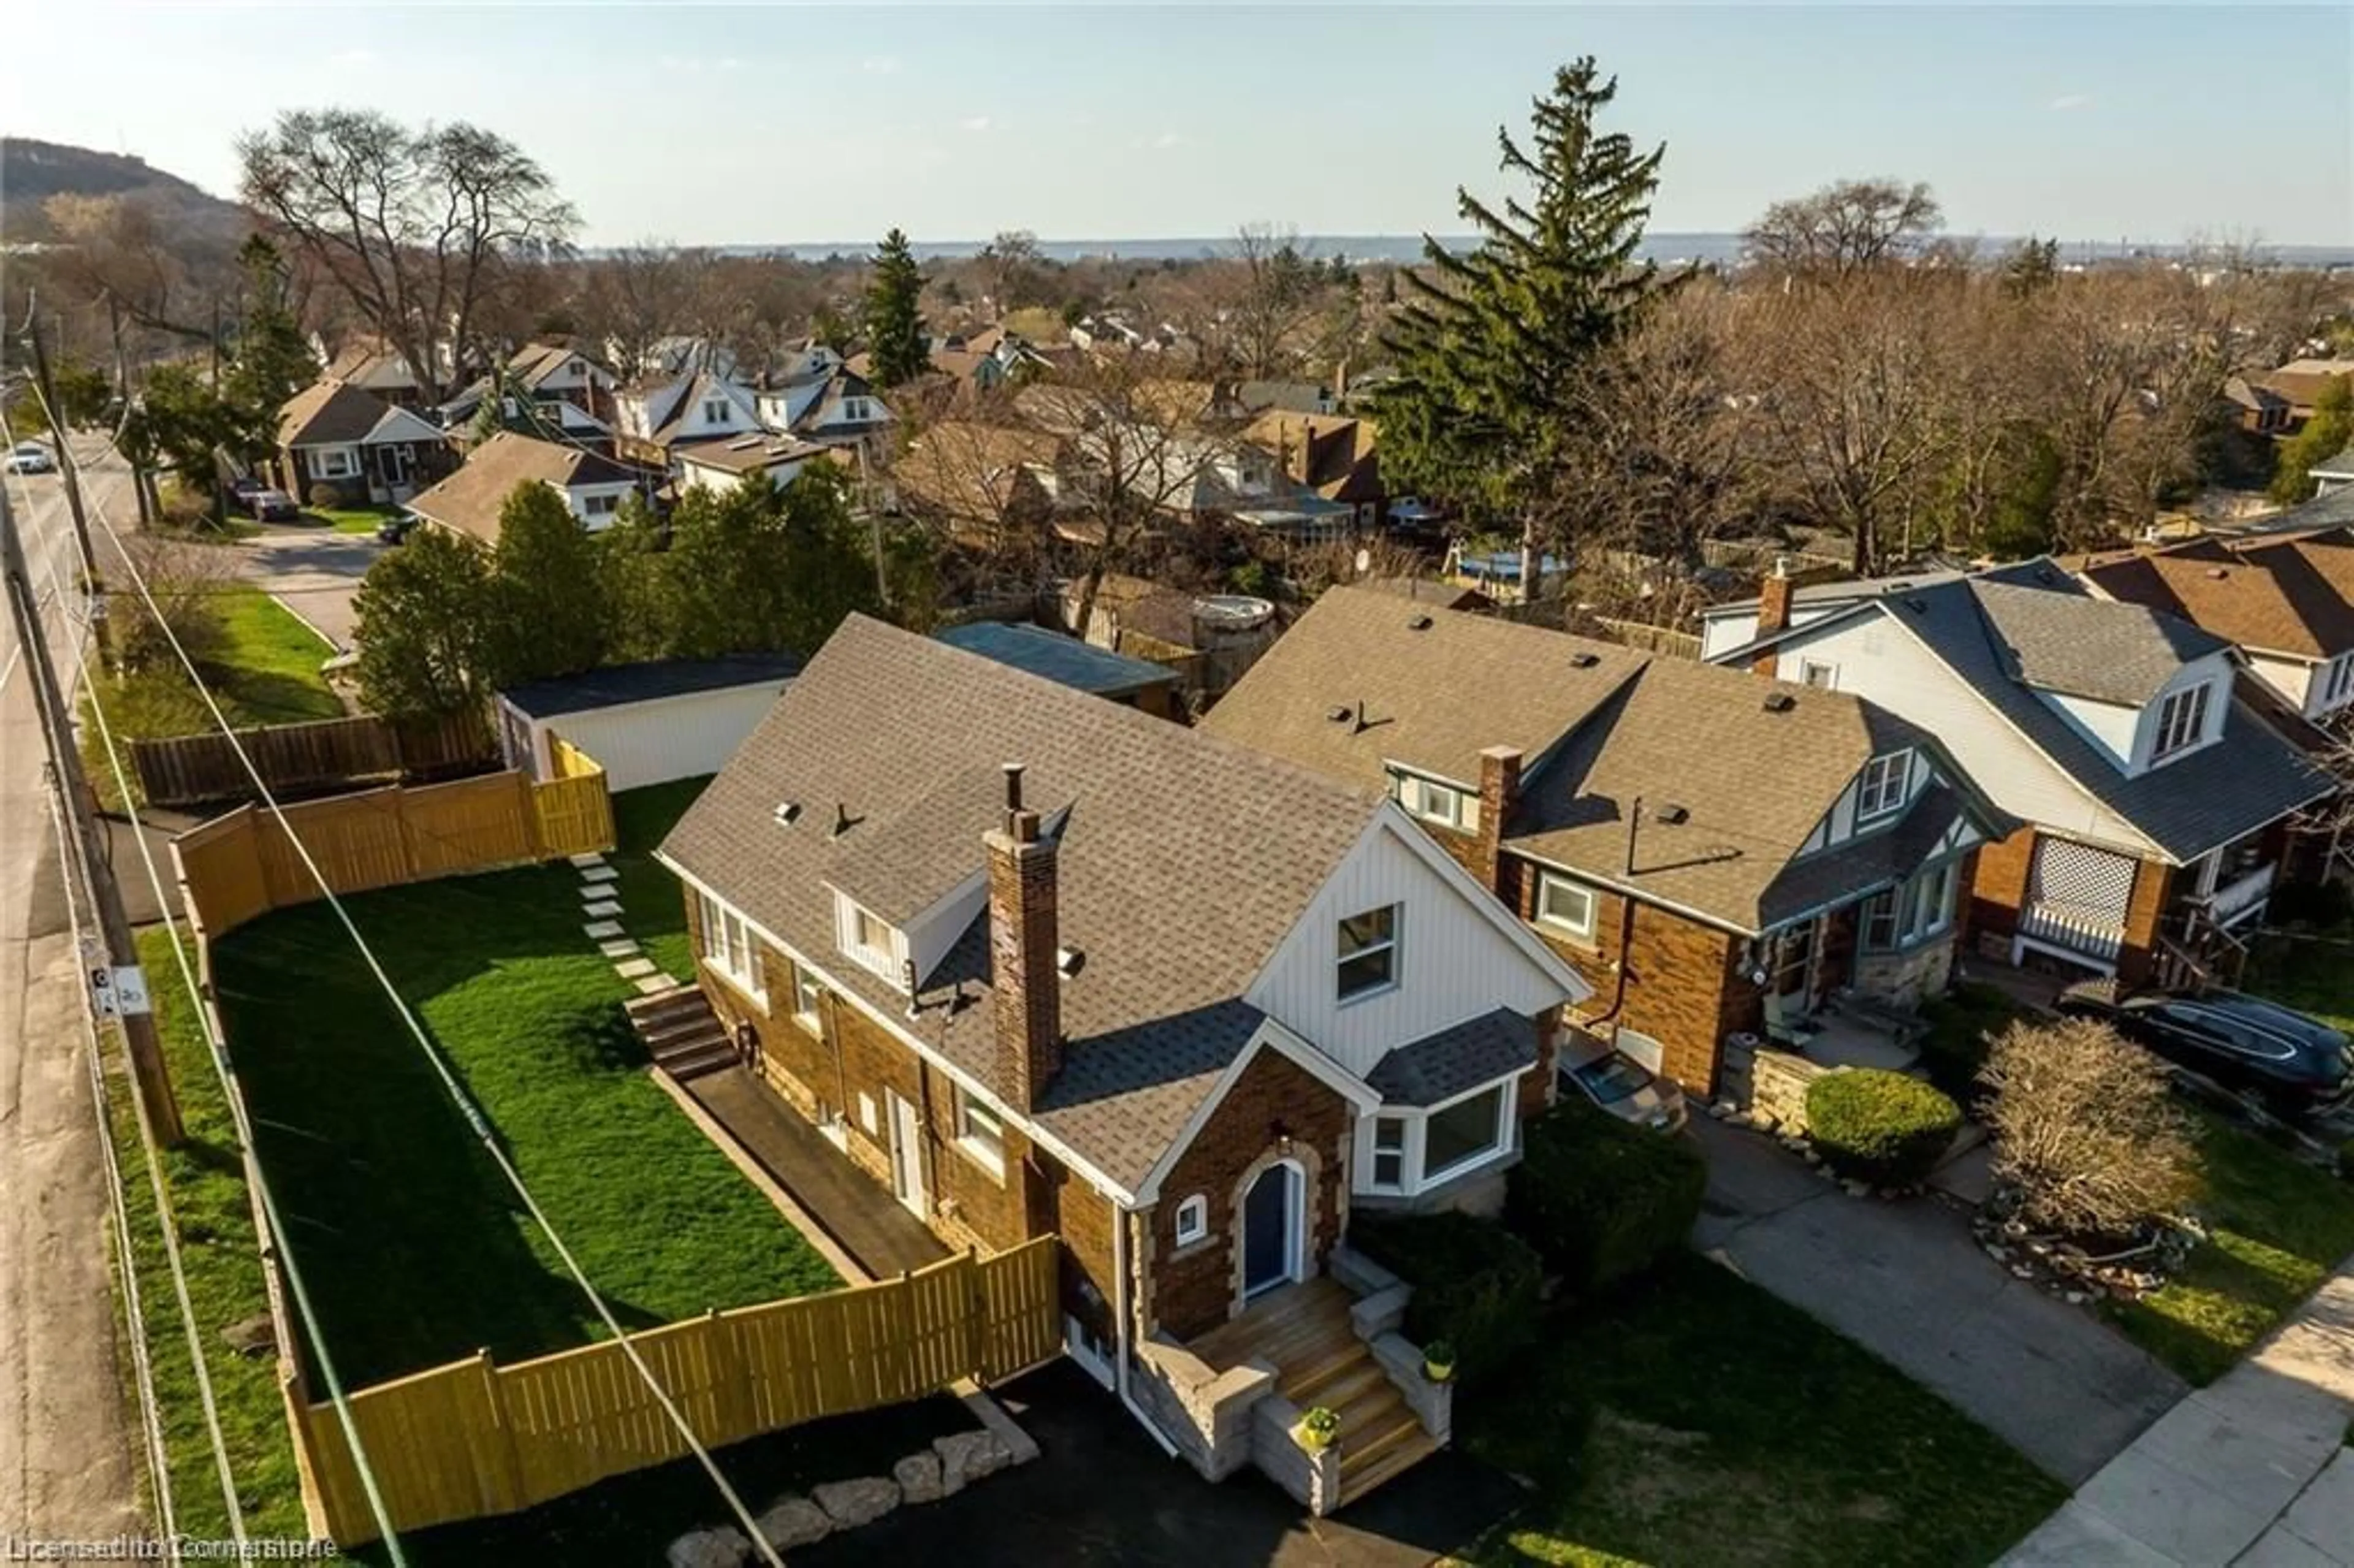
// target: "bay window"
[[1916, 909], [1405, 1151], [1463, 1133]]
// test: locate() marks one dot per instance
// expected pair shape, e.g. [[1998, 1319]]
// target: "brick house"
[[1723, 859], [1040, 963], [2156, 806], [333, 436]]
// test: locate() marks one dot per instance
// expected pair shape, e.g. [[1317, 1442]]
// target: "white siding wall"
[[1456, 962], [1880, 659], [2111, 727], [1733, 628], [2214, 671], [696, 476], [930, 935], [671, 738], [2300, 684]]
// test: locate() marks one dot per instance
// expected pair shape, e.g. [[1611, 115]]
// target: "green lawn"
[[350, 519], [1698, 1420], [206, 1181], [653, 907], [417, 1251]]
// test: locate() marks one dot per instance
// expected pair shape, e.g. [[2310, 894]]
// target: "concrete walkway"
[[2252, 1471], [1909, 1282]]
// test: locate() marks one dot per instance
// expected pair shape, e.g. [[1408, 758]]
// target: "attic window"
[[1584, 659], [1780, 702]]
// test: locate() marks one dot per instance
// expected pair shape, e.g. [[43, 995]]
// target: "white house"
[[723, 465], [653, 416]]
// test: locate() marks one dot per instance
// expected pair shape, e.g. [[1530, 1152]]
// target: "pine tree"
[[894, 317], [1498, 351]]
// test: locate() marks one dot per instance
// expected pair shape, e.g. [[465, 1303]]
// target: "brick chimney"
[[1499, 791], [1023, 940], [1773, 611]]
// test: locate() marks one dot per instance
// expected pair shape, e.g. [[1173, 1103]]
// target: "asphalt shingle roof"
[[2206, 798], [330, 413], [2057, 638], [1184, 861], [1064, 659], [470, 499], [2267, 594], [1456, 1060], [621, 684]]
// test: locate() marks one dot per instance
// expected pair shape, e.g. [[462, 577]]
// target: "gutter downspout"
[[1119, 1218]]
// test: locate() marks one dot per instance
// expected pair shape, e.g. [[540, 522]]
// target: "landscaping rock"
[[919, 1478], [852, 1503], [968, 1457], [795, 1521], [253, 1338], [723, 1548]]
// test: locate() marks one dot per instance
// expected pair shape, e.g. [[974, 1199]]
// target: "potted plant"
[[1438, 1361], [1319, 1429]]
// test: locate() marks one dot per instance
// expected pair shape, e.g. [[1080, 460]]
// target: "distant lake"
[[1663, 248]]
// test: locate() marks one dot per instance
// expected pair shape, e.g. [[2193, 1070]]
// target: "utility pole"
[[119, 982], [92, 585]]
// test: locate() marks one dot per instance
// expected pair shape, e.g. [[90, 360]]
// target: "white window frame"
[[335, 462], [715, 410], [850, 917], [1883, 785], [809, 994], [2182, 721], [1551, 882], [1192, 1222], [979, 1134], [1446, 805], [1409, 1126], [1915, 910], [2339, 681], [599, 505], [731, 951], [1815, 673], [1392, 946]]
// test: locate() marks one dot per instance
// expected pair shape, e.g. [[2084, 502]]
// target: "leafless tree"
[[162, 276], [412, 225], [2086, 1131], [1846, 227]]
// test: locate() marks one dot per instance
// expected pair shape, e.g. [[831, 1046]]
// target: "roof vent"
[[1341, 714], [1069, 961], [1780, 702], [1671, 815], [1917, 605], [1418, 623], [1585, 659], [2218, 573], [787, 812]]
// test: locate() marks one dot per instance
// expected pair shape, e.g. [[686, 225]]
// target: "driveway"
[[312, 571], [1909, 1282], [1101, 1492]]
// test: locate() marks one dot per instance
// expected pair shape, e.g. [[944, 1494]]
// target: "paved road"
[[1908, 1281], [311, 571], [65, 1446]]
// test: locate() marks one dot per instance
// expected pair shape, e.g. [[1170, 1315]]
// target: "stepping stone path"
[[600, 900]]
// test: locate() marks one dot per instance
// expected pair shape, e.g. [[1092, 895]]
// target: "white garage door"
[[672, 738]]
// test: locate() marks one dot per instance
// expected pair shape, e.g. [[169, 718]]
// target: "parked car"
[[269, 505], [31, 456], [1627, 1090], [2243, 1042]]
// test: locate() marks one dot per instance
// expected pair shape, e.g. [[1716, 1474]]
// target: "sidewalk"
[[2252, 1471]]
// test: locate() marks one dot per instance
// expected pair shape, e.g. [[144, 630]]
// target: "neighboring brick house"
[[2156, 806], [336, 438], [1041, 963], [1722, 857]]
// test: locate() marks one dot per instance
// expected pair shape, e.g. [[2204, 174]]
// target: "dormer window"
[[714, 411], [2340, 682], [872, 943], [2182, 721], [1880, 790], [1441, 804]]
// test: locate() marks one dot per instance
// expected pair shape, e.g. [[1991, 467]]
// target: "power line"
[[475, 1120], [222, 1067]]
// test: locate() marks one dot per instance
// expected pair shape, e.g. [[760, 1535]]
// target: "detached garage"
[[643, 724]]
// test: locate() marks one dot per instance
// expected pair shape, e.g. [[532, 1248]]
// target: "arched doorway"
[[1273, 1223]]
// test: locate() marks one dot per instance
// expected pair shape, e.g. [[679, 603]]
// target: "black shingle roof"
[[622, 683], [1456, 1060]]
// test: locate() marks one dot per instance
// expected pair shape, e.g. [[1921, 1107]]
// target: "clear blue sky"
[[769, 124]]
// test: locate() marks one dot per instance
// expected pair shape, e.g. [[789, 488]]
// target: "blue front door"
[[1269, 1212]]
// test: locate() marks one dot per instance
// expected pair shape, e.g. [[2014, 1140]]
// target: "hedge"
[[1475, 1285], [1880, 1126], [1962, 1026], [1603, 1200]]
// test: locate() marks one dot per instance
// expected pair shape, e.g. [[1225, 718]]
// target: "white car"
[[1627, 1090], [31, 456]]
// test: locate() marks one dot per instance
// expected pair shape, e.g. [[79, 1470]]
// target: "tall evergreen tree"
[[894, 316], [1499, 350], [273, 358]]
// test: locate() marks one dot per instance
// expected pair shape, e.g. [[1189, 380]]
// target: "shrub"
[[2086, 1133], [2345, 1160], [1475, 1284], [1880, 1126], [327, 497], [1601, 1199], [1962, 1026]]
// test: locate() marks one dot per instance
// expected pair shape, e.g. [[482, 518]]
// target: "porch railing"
[[2094, 933], [2231, 899]]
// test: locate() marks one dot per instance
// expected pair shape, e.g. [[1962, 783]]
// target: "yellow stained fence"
[[474, 1438]]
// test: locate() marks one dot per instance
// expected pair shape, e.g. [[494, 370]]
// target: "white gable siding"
[[693, 475], [1728, 630], [2300, 684], [890, 962], [2105, 725], [1456, 960], [734, 409], [930, 935], [1881, 661]]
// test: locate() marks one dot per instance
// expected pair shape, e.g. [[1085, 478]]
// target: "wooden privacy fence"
[[304, 759], [242, 866], [474, 1438]]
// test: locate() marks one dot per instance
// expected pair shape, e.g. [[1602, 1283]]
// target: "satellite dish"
[[1364, 562]]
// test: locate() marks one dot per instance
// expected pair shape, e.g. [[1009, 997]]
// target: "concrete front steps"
[[680, 1032]]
